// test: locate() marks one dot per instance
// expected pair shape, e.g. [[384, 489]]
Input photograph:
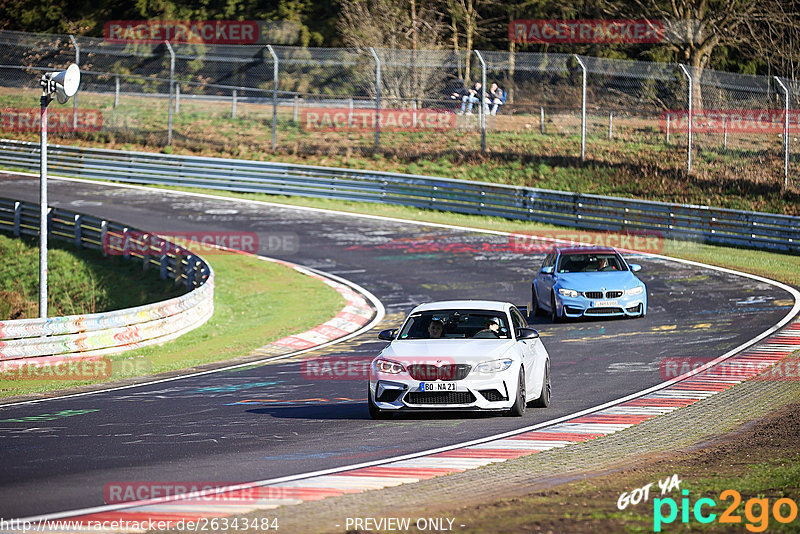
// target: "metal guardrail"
[[595, 212], [104, 333]]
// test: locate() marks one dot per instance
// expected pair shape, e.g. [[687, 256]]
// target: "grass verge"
[[255, 302]]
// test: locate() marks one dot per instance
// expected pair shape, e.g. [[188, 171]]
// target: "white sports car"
[[460, 355]]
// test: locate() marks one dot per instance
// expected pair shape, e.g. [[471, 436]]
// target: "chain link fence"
[[250, 100]]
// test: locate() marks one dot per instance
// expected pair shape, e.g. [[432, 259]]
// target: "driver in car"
[[492, 328]]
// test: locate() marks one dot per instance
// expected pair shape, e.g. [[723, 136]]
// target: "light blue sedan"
[[587, 282]]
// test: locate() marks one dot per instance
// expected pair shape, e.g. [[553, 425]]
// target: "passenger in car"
[[435, 329]]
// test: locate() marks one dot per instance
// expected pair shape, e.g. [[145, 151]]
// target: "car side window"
[[517, 320], [548, 261]]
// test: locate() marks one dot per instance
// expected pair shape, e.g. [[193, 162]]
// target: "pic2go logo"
[[756, 511]]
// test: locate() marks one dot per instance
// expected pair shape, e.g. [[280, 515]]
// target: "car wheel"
[[374, 411], [553, 310], [518, 409], [544, 399], [536, 310]]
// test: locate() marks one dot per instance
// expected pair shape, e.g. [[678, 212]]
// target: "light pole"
[[63, 84]]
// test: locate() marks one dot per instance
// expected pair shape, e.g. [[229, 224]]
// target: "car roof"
[[488, 305], [585, 250]]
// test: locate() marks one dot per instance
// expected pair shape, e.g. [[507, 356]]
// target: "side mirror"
[[547, 270], [635, 267], [388, 335], [527, 333]]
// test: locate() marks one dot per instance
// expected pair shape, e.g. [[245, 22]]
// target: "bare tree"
[[404, 30]]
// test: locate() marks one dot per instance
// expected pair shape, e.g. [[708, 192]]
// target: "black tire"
[[518, 409], [544, 398], [536, 310], [553, 313], [374, 411]]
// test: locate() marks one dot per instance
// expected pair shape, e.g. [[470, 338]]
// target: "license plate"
[[437, 386], [604, 303]]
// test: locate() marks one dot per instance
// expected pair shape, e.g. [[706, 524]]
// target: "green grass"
[[79, 281], [255, 302]]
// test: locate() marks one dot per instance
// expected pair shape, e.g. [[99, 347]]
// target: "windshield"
[[444, 324], [590, 263]]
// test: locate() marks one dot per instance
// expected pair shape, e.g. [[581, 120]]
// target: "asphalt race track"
[[269, 421]]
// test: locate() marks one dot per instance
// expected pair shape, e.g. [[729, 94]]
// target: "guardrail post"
[[274, 97], [103, 237], [116, 91], [482, 102], [75, 96], [171, 90], [78, 233], [126, 253], [583, 107], [233, 104], [691, 118], [189, 271], [163, 261], [377, 98], [785, 132], [17, 217]]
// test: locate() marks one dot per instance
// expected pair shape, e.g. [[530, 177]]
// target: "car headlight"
[[493, 366], [638, 290], [567, 292], [389, 367]]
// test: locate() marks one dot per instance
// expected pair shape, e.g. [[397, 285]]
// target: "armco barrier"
[[116, 331], [674, 221]]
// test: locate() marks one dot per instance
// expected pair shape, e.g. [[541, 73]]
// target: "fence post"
[[691, 118], [668, 121], [610, 125], [233, 104], [541, 120], [377, 98], [116, 91], [481, 102], [295, 114], [75, 96], [103, 238], [177, 98], [171, 90], [274, 97], [583, 108], [785, 132], [725, 132]]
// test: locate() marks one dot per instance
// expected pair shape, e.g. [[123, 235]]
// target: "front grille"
[[602, 311], [492, 395], [447, 372], [440, 397], [599, 294]]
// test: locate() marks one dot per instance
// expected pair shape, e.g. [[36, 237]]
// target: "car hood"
[[471, 351], [594, 281]]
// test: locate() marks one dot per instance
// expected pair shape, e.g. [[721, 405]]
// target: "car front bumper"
[[581, 306], [475, 392]]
